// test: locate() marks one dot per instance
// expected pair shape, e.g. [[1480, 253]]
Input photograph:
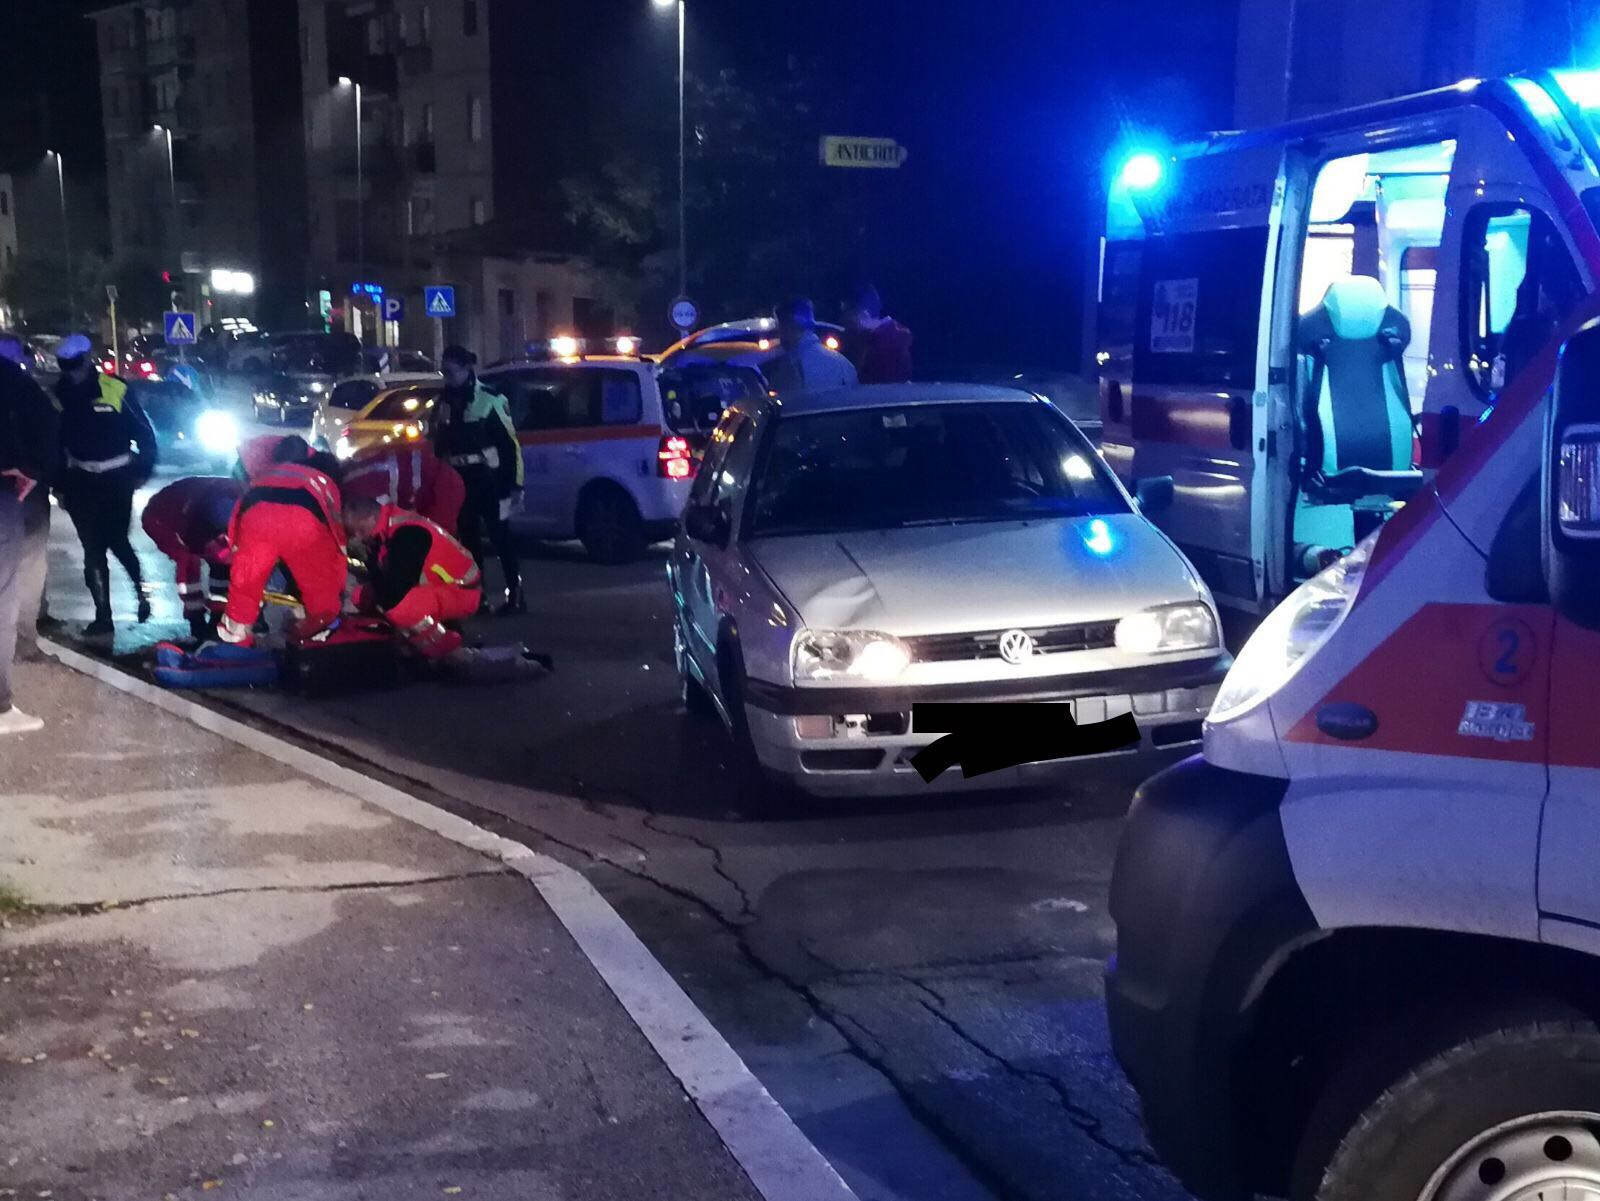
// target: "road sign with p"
[[394, 308], [179, 328], [440, 300]]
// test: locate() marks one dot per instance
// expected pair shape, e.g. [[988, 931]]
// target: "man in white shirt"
[[805, 365]]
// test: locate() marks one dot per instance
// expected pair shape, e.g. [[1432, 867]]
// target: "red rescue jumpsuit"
[[447, 587], [255, 454], [410, 477], [289, 514], [188, 521]]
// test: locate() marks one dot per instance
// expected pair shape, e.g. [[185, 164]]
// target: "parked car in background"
[[343, 403], [846, 555]]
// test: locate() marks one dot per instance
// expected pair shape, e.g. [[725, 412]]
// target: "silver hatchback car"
[[846, 555]]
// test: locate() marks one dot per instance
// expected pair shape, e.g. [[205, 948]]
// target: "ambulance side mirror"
[[1571, 505]]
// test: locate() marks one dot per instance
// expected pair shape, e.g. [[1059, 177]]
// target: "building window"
[[403, 27], [5, 204], [474, 118], [405, 126], [425, 20], [411, 217], [427, 123], [469, 17], [480, 210]]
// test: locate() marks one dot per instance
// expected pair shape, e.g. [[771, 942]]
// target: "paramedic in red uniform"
[[409, 476], [289, 514], [422, 579], [188, 521]]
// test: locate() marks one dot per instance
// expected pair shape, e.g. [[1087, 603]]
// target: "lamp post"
[[66, 240], [683, 220], [172, 189], [361, 200]]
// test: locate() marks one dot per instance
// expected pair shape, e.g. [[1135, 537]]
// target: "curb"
[[780, 1161]]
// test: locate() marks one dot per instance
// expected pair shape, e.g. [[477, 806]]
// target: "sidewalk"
[[216, 974]]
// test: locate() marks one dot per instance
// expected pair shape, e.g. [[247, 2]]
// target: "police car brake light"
[[675, 459]]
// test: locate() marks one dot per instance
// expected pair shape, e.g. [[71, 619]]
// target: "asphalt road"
[[916, 981]]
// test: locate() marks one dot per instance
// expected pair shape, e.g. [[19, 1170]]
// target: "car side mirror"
[[1154, 494], [1571, 508], [707, 523]]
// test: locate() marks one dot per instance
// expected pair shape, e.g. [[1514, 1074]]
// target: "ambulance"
[[1358, 937], [1297, 323]]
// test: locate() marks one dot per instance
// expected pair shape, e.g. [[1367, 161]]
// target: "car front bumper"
[[860, 741]]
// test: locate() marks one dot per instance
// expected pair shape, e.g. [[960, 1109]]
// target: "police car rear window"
[[1199, 307]]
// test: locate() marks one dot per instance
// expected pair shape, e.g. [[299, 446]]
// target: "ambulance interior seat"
[[1355, 416]]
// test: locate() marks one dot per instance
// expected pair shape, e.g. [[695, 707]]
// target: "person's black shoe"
[[515, 603], [100, 627], [143, 612], [49, 625], [200, 627]]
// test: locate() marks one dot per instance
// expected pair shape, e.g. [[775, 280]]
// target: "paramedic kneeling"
[[289, 515], [421, 577]]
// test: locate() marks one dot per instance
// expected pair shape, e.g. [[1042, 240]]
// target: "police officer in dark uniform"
[[110, 451], [474, 434]]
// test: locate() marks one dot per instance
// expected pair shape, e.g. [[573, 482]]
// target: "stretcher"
[[214, 665]]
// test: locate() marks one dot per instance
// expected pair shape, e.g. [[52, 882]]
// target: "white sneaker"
[[15, 721]]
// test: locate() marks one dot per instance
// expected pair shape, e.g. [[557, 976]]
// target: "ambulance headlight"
[[217, 432], [1292, 634], [1183, 627]]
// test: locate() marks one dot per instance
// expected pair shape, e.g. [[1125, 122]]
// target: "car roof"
[[588, 360], [876, 396]]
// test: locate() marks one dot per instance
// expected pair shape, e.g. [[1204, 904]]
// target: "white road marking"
[[780, 1161]]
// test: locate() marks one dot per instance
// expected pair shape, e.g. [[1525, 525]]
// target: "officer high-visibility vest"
[[473, 440], [448, 563], [99, 432]]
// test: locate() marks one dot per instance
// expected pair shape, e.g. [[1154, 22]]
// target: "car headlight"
[[217, 432], [344, 448], [1186, 626], [1291, 634], [848, 655], [317, 387]]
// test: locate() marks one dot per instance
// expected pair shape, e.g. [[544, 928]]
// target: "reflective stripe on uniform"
[[469, 580], [99, 466]]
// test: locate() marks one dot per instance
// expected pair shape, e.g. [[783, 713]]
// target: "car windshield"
[[693, 398], [354, 394], [405, 404], [934, 464]]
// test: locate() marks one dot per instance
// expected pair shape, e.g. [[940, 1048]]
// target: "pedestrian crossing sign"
[[440, 301], [180, 329]]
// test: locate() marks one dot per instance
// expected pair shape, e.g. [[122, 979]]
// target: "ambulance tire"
[[609, 525], [1464, 1105]]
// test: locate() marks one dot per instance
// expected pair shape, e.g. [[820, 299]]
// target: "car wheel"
[[1511, 1113], [609, 525], [762, 792], [690, 690]]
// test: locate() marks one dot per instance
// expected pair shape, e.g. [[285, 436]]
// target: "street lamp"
[[66, 240], [172, 188], [361, 222], [683, 221]]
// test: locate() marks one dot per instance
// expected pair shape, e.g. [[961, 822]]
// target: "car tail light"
[[146, 367], [675, 459]]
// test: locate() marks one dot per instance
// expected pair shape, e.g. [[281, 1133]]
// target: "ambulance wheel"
[[1512, 1114], [609, 525]]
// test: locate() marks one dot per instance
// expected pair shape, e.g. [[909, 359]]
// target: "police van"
[[1358, 938], [1297, 323]]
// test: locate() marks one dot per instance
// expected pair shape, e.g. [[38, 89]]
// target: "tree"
[[39, 288], [764, 220]]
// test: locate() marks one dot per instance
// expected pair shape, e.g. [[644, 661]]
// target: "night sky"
[[1006, 107]]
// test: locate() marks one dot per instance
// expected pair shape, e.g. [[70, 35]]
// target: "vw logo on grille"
[[1015, 646]]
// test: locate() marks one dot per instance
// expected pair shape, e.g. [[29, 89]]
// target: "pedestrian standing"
[[878, 345], [33, 616], [805, 365], [110, 452], [28, 453], [474, 434]]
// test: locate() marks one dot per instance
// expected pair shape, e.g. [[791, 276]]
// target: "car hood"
[[988, 576]]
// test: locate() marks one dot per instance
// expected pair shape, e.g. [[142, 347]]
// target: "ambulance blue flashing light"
[[1142, 171]]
